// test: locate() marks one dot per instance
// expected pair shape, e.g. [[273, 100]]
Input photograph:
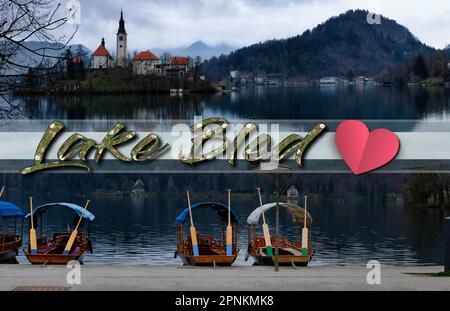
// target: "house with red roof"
[[145, 63], [101, 58], [178, 66]]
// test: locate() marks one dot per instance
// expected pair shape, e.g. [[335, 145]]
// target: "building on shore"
[[101, 58], [292, 195], [138, 188], [360, 80], [122, 52], [178, 67], [145, 63], [328, 80]]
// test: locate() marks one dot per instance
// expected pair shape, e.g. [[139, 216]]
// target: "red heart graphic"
[[365, 151]]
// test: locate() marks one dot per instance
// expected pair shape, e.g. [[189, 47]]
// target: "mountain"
[[198, 48], [345, 45], [46, 54]]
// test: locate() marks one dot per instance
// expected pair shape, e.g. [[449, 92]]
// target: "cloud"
[[166, 24]]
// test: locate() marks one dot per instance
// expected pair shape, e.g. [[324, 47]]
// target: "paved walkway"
[[121, 277]]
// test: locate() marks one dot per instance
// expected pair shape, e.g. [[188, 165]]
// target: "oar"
[[1, 192], [229, 228], [75, 232], [193, 231], [33, 242], [305, 232], [265, 228]]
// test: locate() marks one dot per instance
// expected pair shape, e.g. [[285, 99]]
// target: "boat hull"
[[283, 260], [10, 248], [51, 252], [8, 257], [53, 259], [289, 254], [208, 260]]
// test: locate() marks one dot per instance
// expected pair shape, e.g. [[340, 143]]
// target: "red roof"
[[179, 60], [146, 55], [101, 51]]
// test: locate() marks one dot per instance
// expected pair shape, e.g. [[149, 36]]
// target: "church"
[[144, 63], [102, 59]]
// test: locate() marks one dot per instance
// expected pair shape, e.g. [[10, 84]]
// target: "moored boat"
[[295, 253], [10, 241], [205, 249], [55, 249]]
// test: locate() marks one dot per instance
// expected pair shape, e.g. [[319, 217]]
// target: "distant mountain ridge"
[[198, 48], [345, 45], [51, 52]]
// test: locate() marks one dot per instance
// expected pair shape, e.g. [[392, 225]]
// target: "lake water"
[[314, 103], [142, 230]]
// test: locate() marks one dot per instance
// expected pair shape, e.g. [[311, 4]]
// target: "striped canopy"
[[297, 213]]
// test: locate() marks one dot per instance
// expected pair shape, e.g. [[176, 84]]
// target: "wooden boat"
[[51, 250], [290, 253], [10, 242], [212, 251]]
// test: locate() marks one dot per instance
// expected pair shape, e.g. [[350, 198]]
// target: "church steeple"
[[121, 24], [122, 52]]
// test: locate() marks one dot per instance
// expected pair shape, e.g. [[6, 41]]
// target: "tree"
[[70, 66], [420, 67], [197, 67], [438, 68], [165, 58], [22, 20]]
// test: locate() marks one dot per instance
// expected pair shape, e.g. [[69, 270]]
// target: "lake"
[[283, 103], [142, 231], [345, 232]]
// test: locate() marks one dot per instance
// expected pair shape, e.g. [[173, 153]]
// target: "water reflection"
[[251, 103]]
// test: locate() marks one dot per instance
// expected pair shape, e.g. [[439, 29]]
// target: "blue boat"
[[11, 239], [51, 250], [211, 250]]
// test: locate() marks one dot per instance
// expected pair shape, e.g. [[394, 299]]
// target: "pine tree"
[[420, 67]]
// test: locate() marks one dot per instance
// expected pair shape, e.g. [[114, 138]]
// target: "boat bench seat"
[[292, 251], [46, 249]]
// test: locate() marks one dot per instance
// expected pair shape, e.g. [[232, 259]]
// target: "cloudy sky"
[[175, 23]]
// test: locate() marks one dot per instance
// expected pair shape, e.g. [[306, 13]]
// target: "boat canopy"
[[78, 209], [221, 209], [9, 210], [297, 212]]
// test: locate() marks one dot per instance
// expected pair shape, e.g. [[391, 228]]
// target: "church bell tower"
[[121, 43]]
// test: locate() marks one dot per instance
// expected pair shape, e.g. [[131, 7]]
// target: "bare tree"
[[197, 67], [165, 58], [22, 21]]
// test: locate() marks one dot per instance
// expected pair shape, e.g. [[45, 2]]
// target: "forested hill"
[[345, 45]]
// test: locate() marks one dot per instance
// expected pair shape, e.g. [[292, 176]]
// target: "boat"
[[290, 253], [211, 251], [51, 250], [10, 242]]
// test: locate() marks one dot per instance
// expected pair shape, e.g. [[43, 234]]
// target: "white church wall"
[[101, 62]]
